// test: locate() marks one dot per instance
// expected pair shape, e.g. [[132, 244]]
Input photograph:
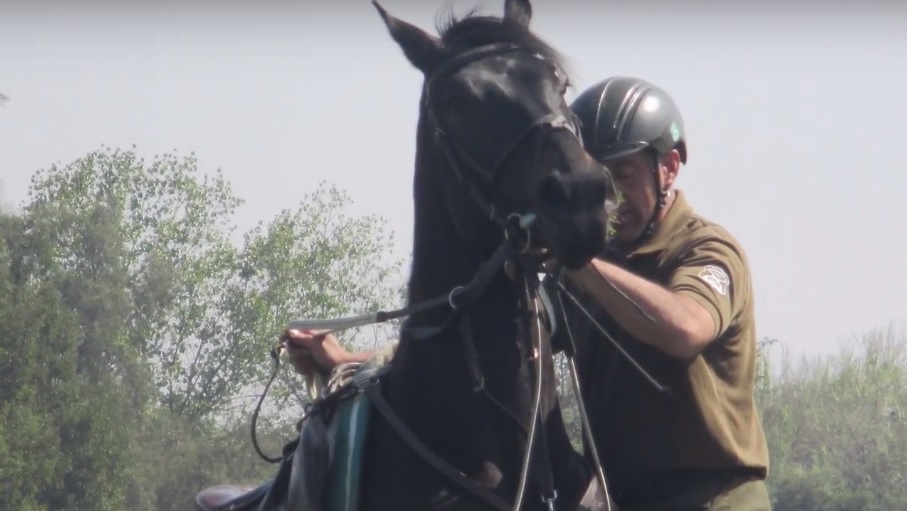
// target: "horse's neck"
[[431, 385], [442, 258], [443, 261]]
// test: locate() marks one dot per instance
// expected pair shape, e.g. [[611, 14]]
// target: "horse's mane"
[[474, 30]]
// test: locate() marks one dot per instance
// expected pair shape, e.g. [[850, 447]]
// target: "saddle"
[[320, 468]]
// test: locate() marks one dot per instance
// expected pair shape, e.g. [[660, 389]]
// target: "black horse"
[[495, 136], [500, 175]]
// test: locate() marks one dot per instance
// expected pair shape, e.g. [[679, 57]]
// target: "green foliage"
[[613, 217], [135, 333], [312, 262], [836, 428], [134, 339], [62, 441], [175, 457], [567, 399], [165, 230]]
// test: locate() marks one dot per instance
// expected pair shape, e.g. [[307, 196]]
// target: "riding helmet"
[[622, 115]]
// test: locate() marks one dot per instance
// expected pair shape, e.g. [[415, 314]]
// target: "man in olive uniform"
[[675, 293]]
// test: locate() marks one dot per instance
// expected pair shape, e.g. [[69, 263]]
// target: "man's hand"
[[313, 351]]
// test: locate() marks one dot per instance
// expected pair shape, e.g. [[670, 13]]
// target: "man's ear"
[[421, 49], [670, 164]]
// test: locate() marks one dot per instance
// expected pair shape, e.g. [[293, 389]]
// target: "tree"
[[57, 447], [134, 337], [835, 428], [312, 261], [176, 319], [156, 229], [203, 311]]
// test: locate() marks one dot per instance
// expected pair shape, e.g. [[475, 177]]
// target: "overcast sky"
[[795, 115]]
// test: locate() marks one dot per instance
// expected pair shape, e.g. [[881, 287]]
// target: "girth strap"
[[374, 394]]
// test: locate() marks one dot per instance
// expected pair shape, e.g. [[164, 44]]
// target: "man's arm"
[[311, 352], [360, 356], [693, 310]]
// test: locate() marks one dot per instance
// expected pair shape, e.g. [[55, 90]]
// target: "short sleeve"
[[713, 273]]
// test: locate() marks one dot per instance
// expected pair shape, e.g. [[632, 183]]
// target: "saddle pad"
[[349, 439], [349, 430]]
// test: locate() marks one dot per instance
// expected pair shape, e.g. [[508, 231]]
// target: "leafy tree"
[[836, 427], [312, 261], [174, 320], [134, 338], [65, 429], [165, 243], [201, 310]]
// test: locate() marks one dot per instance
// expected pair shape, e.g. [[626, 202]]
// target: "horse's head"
[[494, 111]]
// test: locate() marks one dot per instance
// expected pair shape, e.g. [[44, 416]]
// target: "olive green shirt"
[[710, 421]]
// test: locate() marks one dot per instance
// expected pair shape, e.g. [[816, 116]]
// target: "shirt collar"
[[678, 214]]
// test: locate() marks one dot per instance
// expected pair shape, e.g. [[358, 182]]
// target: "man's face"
[[634, 178]]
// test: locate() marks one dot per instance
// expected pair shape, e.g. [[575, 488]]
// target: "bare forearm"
[[366, 355], [360, 357], [672, 327]]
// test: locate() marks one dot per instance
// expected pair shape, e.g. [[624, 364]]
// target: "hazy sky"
[[796, 117]]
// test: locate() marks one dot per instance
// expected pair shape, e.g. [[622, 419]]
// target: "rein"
[[479, 185], [458, 300], [458, 296]]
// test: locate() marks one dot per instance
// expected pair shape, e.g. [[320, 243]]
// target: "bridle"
[[480, 182], [480, 179]]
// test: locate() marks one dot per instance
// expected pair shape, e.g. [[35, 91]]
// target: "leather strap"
[[374, 394]]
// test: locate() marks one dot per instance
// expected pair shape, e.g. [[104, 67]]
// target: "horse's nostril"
[[553, 194]]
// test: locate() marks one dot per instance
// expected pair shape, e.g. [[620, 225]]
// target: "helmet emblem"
[[675, 132]]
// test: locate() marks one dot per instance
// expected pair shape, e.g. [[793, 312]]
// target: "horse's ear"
[[518, 12], [421, 49]]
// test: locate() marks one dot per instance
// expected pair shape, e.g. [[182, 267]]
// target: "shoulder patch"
[[716, 278]]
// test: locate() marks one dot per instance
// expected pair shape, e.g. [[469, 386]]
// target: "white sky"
[[795, 117]]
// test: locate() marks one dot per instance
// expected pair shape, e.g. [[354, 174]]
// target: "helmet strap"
[[661, 200], [661, 194]]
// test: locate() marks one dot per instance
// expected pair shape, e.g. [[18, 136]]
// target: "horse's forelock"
[[473, 30]]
